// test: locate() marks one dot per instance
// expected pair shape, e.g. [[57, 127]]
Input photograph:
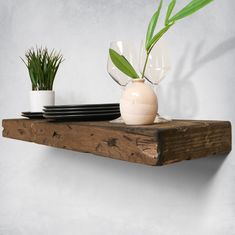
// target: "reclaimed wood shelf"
[[156, 145]]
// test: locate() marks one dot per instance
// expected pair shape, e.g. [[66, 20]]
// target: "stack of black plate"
[[85, 112], [32, 115]]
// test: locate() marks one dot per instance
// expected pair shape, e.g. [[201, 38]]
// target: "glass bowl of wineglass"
[[130, 52]]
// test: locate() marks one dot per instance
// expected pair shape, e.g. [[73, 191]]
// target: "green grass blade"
[[32, 77], [169, 11], [122, 64], [152, 24], [156, 38], [192, 7]]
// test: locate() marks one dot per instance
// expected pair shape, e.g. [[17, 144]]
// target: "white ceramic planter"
[[38, 99], [138, 104]]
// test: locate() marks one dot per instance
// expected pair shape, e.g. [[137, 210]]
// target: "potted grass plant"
[[138, 104], [42, 67]]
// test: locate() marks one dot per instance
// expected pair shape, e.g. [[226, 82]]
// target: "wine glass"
[[157, 66], [128, 50]]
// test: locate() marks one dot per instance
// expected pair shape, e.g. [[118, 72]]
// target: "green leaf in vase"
[[156, 38], [192, 7], [122, 64], [169, 11], [152, 24]]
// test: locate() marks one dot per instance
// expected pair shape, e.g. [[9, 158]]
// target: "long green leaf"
[[156, 38], [169, 11], [192, 7], [122, 64], [152, 24]]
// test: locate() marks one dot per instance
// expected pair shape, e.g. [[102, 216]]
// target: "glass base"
[[158, 119], [117, 120]]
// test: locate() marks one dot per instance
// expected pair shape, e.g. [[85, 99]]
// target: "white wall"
[[52, 191]]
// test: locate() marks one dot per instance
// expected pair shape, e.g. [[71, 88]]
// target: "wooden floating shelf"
[[156, 145]]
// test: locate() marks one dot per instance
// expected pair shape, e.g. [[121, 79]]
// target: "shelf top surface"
[[174, 124]]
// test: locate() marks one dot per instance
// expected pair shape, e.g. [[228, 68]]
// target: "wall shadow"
[[180, 95], [70, 168]]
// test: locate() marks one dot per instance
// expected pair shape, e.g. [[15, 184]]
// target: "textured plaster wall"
[[52, 191]]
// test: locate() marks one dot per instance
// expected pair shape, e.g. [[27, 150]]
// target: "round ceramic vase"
[[38, 99], [138, 104]]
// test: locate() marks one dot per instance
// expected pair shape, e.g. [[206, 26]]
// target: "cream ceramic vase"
[[40, 98], [138, 104]]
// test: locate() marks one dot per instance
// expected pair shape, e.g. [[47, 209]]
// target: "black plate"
[[85, 112], [82, 106], [84, 117], [80, 109], [34, 115]]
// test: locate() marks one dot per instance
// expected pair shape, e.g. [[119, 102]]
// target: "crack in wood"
[[56, 135], [127, 138], [21, 131], [147, 146], [97, 148], [112, 142]]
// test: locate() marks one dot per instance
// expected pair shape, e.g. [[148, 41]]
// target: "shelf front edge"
[[151, 145]]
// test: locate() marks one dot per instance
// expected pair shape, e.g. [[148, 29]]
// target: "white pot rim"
[[42, 91]]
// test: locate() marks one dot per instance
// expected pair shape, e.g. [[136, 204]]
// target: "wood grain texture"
[[157, 144]]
